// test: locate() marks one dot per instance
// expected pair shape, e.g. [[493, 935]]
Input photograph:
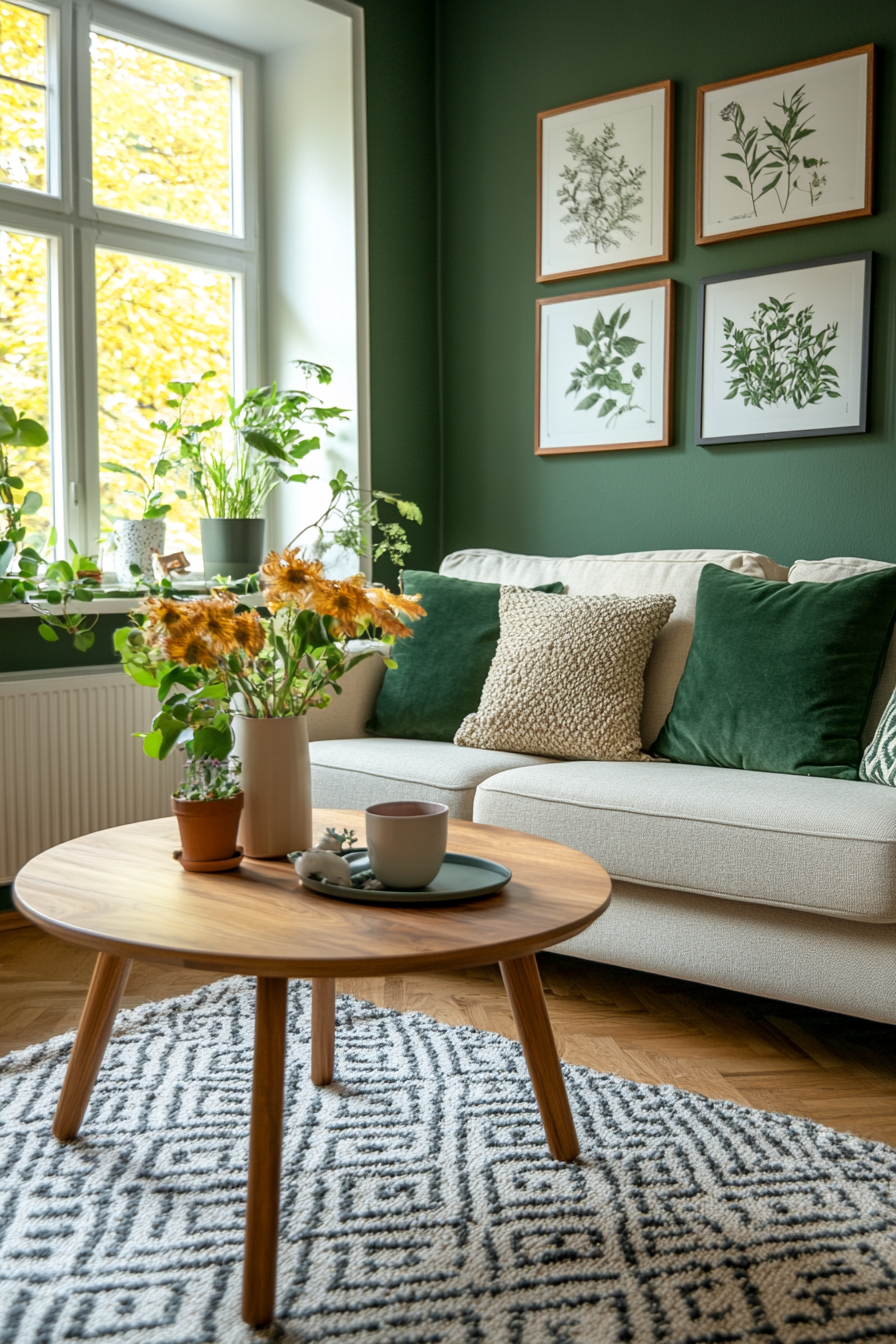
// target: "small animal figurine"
[[324, 865]]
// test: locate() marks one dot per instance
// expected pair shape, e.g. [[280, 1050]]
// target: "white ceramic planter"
[[276, 781], [135, 541]]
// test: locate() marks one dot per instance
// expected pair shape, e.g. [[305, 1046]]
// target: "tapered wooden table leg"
[[265, 1144], [323, 1030], [110, 975], [530, 1013]]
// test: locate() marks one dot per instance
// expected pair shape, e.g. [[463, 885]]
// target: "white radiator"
[[68, 762]]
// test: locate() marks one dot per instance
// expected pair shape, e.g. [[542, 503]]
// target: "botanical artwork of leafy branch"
[[780, 359], [600, 192], [770, 161], [602, 371]]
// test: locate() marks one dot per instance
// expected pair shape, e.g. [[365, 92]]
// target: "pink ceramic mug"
[[406, 843]]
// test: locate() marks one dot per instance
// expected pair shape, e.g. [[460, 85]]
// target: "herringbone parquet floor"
[[776, 1056]]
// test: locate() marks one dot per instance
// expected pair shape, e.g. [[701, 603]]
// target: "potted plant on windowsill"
[[135, 539], [217, 664], [266, 436]]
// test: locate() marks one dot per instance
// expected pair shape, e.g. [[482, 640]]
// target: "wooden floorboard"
[[775, 1056]]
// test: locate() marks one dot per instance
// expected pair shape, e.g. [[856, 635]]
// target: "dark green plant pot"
[[233, 547]]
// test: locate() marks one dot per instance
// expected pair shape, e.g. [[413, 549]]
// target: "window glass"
[[23, 97], [157, 322], [24, 361], [161, 136]]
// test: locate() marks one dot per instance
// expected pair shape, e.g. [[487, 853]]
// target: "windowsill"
[[107, 605]]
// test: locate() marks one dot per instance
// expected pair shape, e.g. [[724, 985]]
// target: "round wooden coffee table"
[[121, 893]]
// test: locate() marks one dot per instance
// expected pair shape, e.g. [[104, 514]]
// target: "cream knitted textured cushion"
[[567, 679]]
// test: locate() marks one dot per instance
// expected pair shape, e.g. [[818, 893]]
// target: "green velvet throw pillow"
[[780, 676], [442, 670]]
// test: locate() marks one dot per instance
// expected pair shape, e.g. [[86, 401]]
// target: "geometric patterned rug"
[[420, 1204]]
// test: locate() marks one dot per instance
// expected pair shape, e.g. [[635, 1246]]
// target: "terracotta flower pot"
[[208, 829], [276, 779]]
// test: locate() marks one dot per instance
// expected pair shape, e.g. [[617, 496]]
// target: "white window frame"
[[68, 216]]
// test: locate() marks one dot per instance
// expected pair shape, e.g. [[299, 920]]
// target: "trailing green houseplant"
[[16, 431]]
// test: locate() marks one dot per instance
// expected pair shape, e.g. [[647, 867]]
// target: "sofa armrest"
[[346, 714]]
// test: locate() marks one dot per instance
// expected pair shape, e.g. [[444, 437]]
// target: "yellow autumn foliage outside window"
[[161, 136], [24, 361], [156, 320], [23, 97]]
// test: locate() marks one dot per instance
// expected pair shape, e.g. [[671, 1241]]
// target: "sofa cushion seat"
[[806, 843], [357, 772]]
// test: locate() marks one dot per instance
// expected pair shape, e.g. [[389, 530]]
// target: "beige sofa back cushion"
[[843, 567], [632, 574], [346, 714]]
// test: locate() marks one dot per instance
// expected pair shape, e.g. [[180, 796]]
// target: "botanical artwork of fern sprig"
[[602, 375], [779, 359], [769, 162], [600, 191]]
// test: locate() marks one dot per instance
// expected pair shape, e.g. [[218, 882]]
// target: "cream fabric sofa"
[[779, 885]]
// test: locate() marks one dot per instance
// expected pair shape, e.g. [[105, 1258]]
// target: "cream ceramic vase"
[[276, 782]]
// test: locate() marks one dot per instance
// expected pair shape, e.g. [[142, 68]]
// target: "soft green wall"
[[401, 147], [503, 61]]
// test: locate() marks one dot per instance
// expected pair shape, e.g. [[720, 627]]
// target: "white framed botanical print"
[[605, 183], [786, 147], [603, 370], [782, 352]]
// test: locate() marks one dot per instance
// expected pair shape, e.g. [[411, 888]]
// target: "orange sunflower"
[[288, 579], [346, 601], [381, 597], [164, 616], [248, 632], [216, 621], [190, 650], [389, 607]]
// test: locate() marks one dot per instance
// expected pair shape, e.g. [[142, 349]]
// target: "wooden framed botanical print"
[[605, 183], [603, 370], [786, 147], [782, 353]]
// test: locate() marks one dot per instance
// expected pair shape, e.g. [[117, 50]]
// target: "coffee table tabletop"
[[122, 893]]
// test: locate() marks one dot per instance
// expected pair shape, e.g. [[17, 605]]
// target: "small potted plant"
[[231, 475], [208, 806], [134, 539]]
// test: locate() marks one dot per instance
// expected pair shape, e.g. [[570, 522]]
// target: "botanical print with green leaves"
[[603, 375], [601, 191], [779, 359], [771, 166]]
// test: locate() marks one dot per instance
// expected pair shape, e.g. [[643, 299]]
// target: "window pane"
[[157, 322], [23, 99], [24, 360], [161, 136]]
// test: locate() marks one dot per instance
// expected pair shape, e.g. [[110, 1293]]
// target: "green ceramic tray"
[[462, 877]]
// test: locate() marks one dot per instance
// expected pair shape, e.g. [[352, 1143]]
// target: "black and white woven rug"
[[420, 1204]]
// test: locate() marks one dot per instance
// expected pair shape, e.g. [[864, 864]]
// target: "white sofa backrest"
[[633, 574], [844, 567]]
